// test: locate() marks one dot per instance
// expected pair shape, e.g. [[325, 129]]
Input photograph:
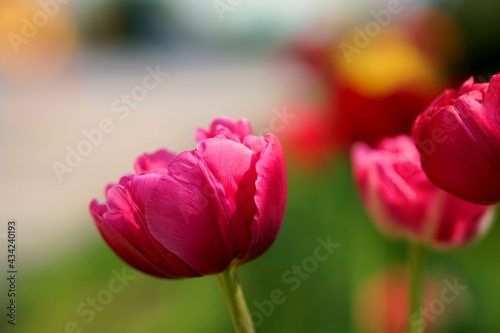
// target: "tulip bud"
[[200, 211], [405, 204], [458, 137]]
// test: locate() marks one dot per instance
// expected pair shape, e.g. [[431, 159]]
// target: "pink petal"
[[157, 160], [393, 186], [192, 211], [404, 202], [360, 153], [270, 197], [120, 245], [231, 166], [124, 216], [462, 221], [228, 128], [492, 105], [255, 143], [466, 161]]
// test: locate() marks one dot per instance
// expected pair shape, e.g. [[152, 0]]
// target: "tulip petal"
[[453, 163], [393, 186], [234, 130], [200, 210], [405, 201], [255, 143], [459, 139], [157, 160], [492, 104], [231, 167], [270, 197], [462, 221], [125, 217], [120, 245]]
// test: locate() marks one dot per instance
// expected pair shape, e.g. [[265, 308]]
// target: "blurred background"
[[86, 86]]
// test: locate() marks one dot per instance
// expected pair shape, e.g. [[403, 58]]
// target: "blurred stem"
[[416, 258], [240, 315]]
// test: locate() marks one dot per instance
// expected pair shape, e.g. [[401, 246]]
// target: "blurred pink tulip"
[[200, 211], [405, 204], [458, 137]]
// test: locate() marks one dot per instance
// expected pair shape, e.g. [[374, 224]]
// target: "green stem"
[[416, 257], [240, 315]]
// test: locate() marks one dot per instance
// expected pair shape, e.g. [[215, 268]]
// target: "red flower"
[[368, 95], [405, 204], [458, 137], [202, 210]]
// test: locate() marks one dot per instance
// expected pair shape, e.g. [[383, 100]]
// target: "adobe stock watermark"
[[91, 306], [121, 107], [224, 6], [437, 306], [292, 279], [31, 26], [372, 29], [280, 119]]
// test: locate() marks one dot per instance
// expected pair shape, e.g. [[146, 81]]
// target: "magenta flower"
[[458, 137], [405, 204], [198, 212]]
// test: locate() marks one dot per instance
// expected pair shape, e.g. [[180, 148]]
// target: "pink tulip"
[[458, 137], [405, 204], [200, 211]]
